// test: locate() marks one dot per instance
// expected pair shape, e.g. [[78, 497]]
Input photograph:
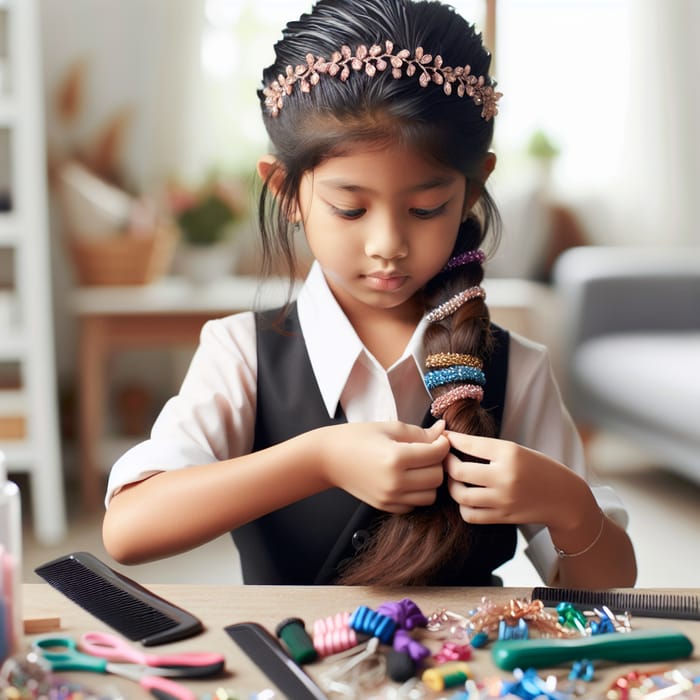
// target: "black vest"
[[305, 543]]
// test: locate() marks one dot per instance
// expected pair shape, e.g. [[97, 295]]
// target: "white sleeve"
[[535, 416], [212, 417]]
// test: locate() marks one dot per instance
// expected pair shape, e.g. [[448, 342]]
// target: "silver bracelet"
[[565, 555]]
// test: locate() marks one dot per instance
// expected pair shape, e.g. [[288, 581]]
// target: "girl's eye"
[[429, 213], [348, 213]]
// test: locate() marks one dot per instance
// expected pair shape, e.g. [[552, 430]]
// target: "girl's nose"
[[386, 240]]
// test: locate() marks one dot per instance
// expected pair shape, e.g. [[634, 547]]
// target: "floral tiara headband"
[[430, 69]]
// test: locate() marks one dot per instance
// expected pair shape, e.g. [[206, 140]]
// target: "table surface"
[[220, 606]]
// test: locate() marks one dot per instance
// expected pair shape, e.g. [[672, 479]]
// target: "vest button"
[[359, 539]]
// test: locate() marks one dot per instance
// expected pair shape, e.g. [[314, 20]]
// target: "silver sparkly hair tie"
[[376, 58], [454, 303]]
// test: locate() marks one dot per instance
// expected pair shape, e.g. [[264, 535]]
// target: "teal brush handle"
[[625, 647]]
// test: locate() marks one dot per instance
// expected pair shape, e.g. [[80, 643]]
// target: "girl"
[[300, 431]]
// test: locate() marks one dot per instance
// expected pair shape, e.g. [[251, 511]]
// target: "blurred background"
[[129, 132]]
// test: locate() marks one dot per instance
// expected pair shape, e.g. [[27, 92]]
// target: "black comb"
[[269, 656], [680, 606], [118, 601]]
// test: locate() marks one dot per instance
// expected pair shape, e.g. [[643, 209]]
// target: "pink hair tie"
[[444, 401], [469, 256], [458, 300], [332, 635], [451, 651]]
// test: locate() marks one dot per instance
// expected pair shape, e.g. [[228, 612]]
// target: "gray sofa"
[[632, 354]]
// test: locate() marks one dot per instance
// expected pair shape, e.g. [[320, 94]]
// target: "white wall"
[[140, 55], [622, 103]]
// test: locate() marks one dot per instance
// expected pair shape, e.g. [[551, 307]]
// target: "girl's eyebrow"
[[340, 183]]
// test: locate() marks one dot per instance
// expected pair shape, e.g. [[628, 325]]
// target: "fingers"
[[472, 496], [407, 432], [422, 479], [483, 448], [435, 430], [418, 447], [473, 473], [479, 506]]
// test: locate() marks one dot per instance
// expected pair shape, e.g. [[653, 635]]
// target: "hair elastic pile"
[[450, 375], [458, 300], [469, 256], [466, 391], [447, 359], [376, 59]]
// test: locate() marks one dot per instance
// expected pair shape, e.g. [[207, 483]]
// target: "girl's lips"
[[386, 283]]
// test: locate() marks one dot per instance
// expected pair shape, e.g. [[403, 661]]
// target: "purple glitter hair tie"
[[469, 256]]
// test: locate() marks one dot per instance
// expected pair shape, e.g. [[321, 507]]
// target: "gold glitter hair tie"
[[457, 301], [447, 359], [377, 59]]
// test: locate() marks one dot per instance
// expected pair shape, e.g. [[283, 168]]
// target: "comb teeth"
[[643, 604], [118, 601]]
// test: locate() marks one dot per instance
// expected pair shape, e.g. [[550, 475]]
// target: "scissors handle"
[[114, 648], [62, 655], [165, 689]]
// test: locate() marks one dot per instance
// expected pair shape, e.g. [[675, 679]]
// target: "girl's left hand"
[[517, 485]]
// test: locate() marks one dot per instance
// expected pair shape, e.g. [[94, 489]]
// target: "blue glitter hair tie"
[[456, 373]]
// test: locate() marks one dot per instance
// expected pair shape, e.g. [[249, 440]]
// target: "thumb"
[[435, 430], [409, 432]]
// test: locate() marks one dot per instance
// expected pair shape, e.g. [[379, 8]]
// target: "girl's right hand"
[[392, 466]]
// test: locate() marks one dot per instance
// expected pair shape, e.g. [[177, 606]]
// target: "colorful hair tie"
[[450, 375], [447, 359], [469, 256], [372, 623], [466, 391], [404, 612], [332, 635], [451, 305]]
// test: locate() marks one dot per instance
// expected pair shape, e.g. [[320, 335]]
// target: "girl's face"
[[381, 222]]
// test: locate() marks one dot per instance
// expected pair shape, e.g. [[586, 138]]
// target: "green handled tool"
[[624, 647]]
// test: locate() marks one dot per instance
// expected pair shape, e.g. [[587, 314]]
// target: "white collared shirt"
[[212, 418]]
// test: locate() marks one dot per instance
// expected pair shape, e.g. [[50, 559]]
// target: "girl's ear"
[[270, 167], [271, 171], [474, 191]]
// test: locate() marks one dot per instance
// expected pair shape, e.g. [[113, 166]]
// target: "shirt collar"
[[332, 343]]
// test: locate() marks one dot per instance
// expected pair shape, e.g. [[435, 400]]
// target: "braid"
[[411, 549]]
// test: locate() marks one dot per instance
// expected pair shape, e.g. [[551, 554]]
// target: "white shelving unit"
[[31, 441]]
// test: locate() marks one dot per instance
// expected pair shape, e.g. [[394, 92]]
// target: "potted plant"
[[208, 216]]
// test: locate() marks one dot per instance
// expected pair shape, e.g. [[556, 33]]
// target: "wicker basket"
[[122, 259]]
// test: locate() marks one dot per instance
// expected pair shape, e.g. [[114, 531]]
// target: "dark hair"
[[327, 121]]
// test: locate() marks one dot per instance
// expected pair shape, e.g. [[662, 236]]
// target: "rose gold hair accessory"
[[376, 58], [464, 391], [454, 303]]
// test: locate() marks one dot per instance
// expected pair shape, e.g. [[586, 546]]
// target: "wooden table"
[[219, 606]]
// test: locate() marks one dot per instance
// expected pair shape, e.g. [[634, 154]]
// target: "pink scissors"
[[63, 655], [185, 665]]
